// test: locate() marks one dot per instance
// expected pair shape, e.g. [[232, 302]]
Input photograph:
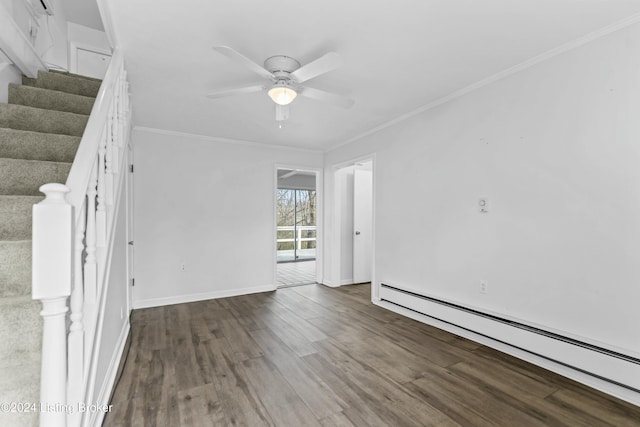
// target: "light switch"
[[483, 205]]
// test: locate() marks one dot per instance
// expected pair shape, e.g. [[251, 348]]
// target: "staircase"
[[40, 130]]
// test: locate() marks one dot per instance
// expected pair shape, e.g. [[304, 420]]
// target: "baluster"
[[101, 213], [52, 242], [76, 330], [123, 108], [108, 161], [127, 110], [90, 266], [116, 136]]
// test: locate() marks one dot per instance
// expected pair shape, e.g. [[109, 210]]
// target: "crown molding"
[[566, 47], [224, 140]]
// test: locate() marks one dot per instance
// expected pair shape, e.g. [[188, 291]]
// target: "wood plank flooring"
[[316, 356]]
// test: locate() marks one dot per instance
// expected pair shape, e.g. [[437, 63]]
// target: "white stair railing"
[[72, 240]]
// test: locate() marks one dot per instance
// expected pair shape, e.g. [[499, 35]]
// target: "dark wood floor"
[[312, 355]]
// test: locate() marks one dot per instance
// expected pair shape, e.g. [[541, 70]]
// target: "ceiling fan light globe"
[[282, 95]]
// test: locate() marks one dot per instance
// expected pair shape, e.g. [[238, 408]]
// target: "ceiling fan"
[[286, 76]]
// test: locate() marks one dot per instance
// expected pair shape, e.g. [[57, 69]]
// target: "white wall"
[[8, 74], [86, 36], [54, 33], [210, 205], [52, 41], [555, 149]]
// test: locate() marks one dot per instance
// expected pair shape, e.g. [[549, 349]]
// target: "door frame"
[[130, 226], [335, 238], [319, 172]]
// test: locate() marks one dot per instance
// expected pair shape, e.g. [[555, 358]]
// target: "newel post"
[[52, 273]]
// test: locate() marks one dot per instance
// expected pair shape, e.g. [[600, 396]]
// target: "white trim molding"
[[573, 44], [179, 299]]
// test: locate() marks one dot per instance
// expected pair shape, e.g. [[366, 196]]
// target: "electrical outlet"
[[182, 267], [484, 286]]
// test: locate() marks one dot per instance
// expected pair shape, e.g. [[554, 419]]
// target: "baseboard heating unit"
[[610, 371]]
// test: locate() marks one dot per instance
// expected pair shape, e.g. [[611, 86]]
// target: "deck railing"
[[297, 239]]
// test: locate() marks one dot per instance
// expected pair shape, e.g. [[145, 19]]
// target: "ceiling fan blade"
[[324, 64], [236, 91], [236, 56], [328, 97]]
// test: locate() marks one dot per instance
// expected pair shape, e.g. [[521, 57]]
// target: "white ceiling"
[[398, 55]]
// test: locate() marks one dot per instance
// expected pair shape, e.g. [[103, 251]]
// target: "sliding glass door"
[[296, 233]]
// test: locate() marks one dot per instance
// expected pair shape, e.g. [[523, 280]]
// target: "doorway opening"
[[354, 222], [296, 227]]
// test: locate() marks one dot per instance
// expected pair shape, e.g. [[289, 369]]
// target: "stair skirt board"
[[107, 387], [604, 369]]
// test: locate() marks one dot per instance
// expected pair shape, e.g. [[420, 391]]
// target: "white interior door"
[[92, 63], [362, 225]]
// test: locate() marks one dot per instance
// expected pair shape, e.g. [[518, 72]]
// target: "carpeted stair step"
[[28, 81], [20, 357], [79, 76], [64, 83], [20, 383], [15, 216], [50, 99], [41, 120], [20, 328], [24, 177], [22, 144], [15, 268]]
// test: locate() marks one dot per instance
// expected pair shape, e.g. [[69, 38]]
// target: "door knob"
[[357, 233]]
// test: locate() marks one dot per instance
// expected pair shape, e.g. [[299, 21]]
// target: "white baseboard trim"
[[97, 417], [343, 282], [553, 355], [330, 284], [180, 299]]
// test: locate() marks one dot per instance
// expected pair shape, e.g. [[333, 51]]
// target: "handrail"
[[81, 169], [72, 246]]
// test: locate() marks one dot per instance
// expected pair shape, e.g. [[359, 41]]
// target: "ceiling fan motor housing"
[[281, 66]]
